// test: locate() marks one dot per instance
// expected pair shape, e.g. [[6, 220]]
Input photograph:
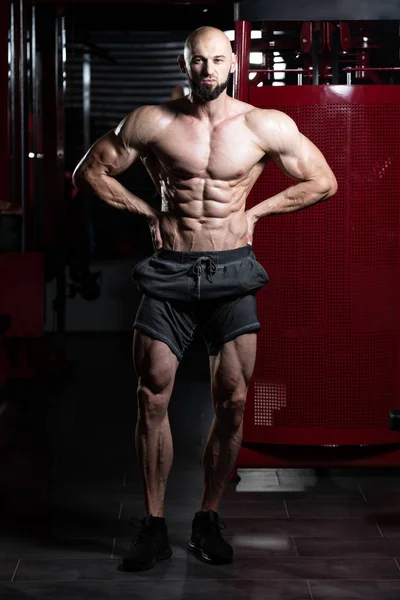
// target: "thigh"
[[232, 368], [229, 320], [155, 364]]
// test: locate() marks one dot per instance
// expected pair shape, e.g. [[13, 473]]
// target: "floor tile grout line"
[[124, 479], [197, 579], [16, 568], [395, 560], [278, 558], [377, 524], [112, 550], [362, 493], [303, 518], [295, 546], [309, 590], [286, 508], [151, 580]]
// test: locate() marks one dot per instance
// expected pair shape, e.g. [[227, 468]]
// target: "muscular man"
[[204, 153]]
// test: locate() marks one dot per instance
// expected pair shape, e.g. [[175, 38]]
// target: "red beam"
[[242, 50], [4, 141]]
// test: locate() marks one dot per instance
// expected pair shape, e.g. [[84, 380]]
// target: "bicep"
[[301, 160]]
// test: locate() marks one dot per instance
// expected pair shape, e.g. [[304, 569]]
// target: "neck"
[[212, 110]]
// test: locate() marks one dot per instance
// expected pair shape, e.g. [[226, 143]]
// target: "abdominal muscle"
[[203, 217]]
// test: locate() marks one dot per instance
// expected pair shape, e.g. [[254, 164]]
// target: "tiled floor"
[[69, 485]]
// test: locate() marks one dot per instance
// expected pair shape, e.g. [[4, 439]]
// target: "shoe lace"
[[216, 525]]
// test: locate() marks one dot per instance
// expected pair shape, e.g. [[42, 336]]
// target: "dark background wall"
[[132, 51]]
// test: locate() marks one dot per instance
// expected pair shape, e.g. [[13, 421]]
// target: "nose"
[[207, 68]]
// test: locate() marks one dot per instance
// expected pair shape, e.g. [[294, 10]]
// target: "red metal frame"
[[242, 41], [4, 139], [354, 44]]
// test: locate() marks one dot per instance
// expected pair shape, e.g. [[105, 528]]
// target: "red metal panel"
[[22, 292], [327, 370]]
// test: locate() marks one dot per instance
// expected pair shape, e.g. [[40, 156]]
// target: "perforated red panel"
[[327, 369]]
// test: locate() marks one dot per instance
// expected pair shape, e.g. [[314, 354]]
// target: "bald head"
[[209, 36]]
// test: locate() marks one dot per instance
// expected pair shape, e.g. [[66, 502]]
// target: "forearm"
[[294, 198], [115, 194]]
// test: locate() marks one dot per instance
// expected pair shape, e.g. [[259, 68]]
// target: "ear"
[[234, 63], [181, 63]]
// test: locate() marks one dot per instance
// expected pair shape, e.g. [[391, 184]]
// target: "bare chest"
[[226, 152]]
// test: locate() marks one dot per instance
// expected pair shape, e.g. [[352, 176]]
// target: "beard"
[[205, 93]]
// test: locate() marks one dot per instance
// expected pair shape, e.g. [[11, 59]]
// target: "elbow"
[[333, 186], [81, 178], [328, 186]]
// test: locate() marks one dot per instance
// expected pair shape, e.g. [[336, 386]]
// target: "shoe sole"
[[199, 552], [125, 566]]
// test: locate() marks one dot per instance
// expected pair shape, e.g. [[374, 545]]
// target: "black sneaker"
[[207, 542], [150, 545]]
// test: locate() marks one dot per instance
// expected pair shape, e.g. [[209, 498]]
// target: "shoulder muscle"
[[275, 130], [139, 128], [115, 151]]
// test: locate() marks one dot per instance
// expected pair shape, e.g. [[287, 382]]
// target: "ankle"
[[155, 516], [158, 514]]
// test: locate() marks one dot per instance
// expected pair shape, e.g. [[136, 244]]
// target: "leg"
[[231, 371], [155, 366]]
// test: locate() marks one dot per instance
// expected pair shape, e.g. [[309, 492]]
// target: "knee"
[[152, 407], [153, 397], [229, 408]]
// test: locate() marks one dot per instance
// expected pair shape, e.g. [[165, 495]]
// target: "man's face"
[[208, 63]]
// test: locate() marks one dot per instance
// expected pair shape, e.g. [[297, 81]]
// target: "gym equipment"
[[327, 369]]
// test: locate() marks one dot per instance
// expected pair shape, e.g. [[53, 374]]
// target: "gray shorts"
[[213, 292]]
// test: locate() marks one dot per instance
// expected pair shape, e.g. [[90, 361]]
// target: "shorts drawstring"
[[210, 268]]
